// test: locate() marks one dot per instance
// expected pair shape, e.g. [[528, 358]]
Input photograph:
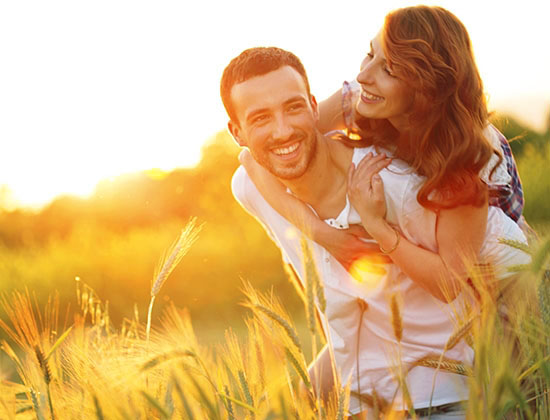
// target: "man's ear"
[[314, 106], [235, 131]]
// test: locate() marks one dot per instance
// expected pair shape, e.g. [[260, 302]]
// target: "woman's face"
[[383, 96]]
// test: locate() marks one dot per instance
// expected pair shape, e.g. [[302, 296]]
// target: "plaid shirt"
[[509, 196]]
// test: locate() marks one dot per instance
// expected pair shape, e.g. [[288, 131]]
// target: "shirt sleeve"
[[350, 94], [507, 195], [248, 196]]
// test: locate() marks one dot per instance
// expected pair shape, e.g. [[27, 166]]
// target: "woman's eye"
[[389, 71]]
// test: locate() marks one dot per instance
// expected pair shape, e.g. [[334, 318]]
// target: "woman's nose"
[[365, 75]]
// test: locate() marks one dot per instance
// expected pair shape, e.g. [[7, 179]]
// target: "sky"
[[93, 89]]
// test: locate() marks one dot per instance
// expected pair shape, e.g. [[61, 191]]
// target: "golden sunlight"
[[367, 271]]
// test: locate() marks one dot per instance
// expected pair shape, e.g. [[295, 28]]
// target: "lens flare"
[[367, 272]]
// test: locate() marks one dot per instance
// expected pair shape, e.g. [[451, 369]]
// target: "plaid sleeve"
[[350, 95], [508, 197], [347, 110]]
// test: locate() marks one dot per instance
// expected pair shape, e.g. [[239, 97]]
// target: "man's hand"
[[347, 247]]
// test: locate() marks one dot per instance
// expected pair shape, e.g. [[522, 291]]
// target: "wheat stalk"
[[229, 404], [46, 371], [516, 244], [448, 365], [396, 320], [310, 275], [246, 389], [464, 329], [298, 367], [188, 236], [291, 333], [36, 404]]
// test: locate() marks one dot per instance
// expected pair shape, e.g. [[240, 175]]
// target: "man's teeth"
[[285, 150], [372, 97]]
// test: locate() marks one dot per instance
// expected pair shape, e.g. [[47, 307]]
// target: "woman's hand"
[[366, 190], [347, 247]]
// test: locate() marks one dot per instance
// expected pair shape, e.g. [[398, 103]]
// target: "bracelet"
[[394, 247]]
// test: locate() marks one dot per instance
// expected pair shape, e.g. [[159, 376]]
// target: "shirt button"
[[326, 259]]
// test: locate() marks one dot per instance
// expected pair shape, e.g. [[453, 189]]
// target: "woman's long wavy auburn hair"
[[429, 49]]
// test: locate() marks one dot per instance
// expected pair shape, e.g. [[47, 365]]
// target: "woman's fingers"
[[351, 173], [368, 167], [377, 187], [359, 231]]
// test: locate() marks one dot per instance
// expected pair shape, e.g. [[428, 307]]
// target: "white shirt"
[[427, 322]]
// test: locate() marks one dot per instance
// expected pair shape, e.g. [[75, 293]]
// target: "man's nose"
[[282, 128]]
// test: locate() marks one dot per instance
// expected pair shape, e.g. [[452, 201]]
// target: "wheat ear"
[[187, 237], [448, 365], [396, 320], [46, 371]]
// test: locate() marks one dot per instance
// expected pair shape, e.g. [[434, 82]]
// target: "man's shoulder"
[[241, 187], [341, 153]]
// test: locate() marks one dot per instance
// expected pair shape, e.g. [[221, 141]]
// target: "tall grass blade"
[[58, 342], [156, 405], [311, 275], [211, 407], [183, 399], [168, 400], [98, 410], [237, 401]]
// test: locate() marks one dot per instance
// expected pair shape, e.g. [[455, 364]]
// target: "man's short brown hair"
[[256, 62]]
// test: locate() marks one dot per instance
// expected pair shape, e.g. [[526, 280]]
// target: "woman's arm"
[[337, 112], [331, 116], [460, 233], [345, 245]]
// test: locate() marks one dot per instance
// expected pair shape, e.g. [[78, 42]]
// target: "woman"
[[422, 103]]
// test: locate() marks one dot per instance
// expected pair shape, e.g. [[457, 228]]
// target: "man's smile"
[[286, 150]]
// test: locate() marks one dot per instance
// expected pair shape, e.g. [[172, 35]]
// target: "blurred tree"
[[518, 134]]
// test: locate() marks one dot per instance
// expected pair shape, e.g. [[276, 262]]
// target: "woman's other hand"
[[366, 189], [347, 246]]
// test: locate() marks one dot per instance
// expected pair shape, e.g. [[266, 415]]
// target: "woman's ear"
[[235, 131]]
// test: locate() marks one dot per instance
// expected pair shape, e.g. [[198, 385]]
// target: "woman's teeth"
[[372, 97]]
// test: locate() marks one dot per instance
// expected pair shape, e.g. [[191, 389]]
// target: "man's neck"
[[324, 184]]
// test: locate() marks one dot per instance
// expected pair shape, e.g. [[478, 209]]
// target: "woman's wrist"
[[387, 236]]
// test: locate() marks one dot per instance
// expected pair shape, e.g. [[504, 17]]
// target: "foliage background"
[[113, 240]]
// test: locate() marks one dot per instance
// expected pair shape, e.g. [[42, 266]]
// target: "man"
[[272, 113]]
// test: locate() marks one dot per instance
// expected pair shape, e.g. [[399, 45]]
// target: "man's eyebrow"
[[297, 98], [252, 114], [255, 112]]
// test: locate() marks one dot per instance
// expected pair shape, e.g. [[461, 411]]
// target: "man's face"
[[276, 120]]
